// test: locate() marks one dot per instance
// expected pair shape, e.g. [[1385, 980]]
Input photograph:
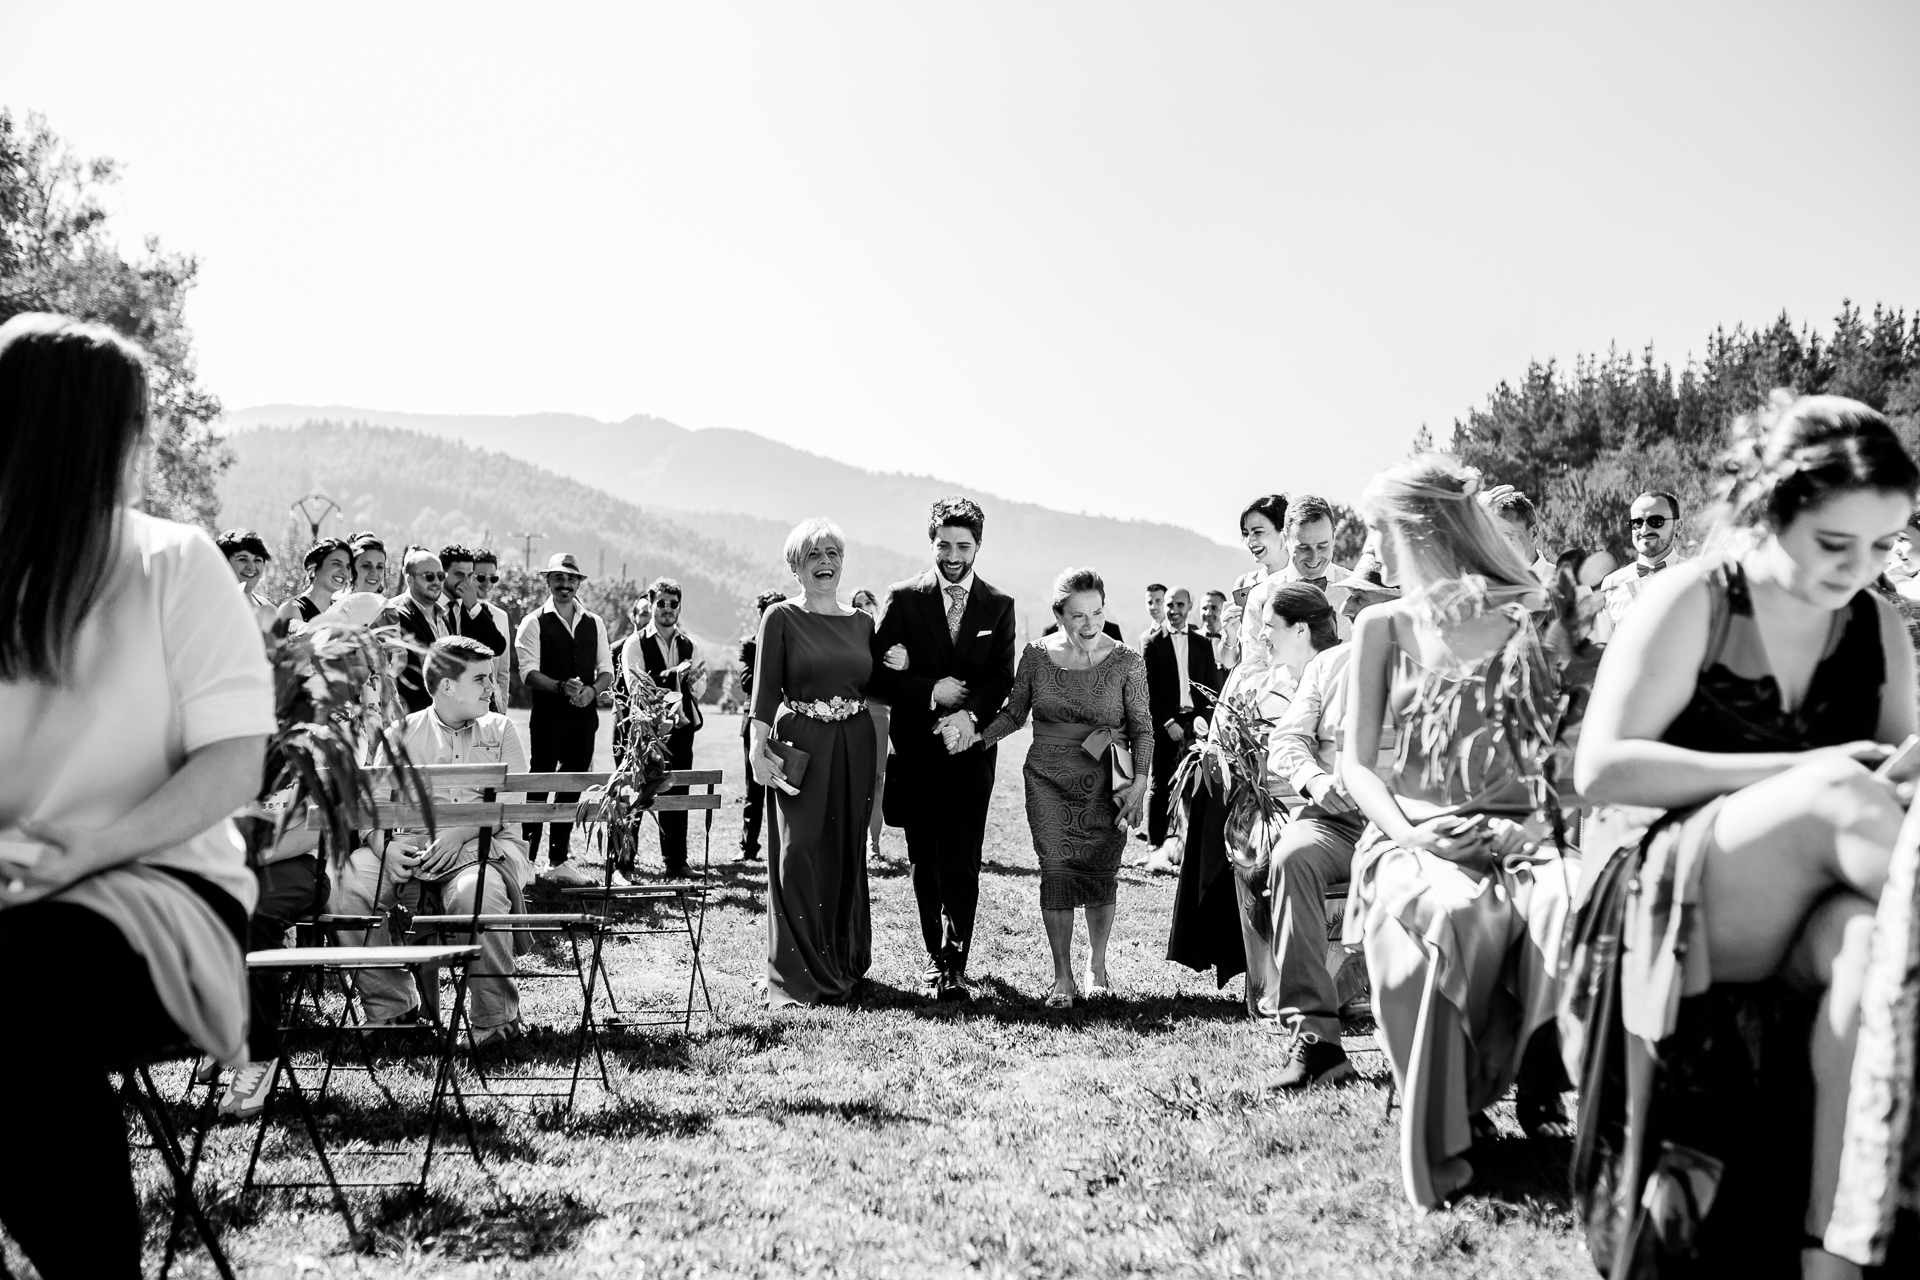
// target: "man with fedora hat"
[[566, 663]]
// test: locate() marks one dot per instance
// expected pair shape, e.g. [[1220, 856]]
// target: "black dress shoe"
[[953, 989]]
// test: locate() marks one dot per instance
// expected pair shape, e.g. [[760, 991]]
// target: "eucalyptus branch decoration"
[[1231, 763], [648, 715]]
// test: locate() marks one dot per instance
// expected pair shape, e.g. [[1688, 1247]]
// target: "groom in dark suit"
[[956, 635], [1180, 665]]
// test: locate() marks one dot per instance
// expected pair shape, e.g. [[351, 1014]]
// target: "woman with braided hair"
[[1743, 705], [1458, 890]]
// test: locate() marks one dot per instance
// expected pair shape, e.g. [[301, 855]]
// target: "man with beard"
[[664, 655], [943, 660], [467, 614], [422, 619], [1653, 526], [566, 664]]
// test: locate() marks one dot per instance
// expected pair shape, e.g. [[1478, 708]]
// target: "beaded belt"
[[829, 709]]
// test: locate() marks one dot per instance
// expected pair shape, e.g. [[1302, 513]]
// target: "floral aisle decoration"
[[648, 715], [1230, 761]]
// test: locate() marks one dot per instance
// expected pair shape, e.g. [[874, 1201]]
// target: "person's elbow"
[[1599, 770]]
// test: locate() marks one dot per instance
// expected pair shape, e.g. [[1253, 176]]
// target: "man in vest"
[[664, 655], [566, 664]]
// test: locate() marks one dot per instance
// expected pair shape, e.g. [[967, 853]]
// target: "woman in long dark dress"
[[1083, 689], [809, 692]]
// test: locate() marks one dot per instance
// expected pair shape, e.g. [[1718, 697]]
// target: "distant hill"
[[744, 491]]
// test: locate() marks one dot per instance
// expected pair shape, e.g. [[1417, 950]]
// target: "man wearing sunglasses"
[[421, 618], [486, 580], [1653, 526], [467, 614]]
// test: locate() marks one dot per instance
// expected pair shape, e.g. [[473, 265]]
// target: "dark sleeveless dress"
[[308, 609], [1723, 1103]]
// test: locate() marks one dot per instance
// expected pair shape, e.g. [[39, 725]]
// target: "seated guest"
[[440, 876], [329, 564], [1744, 696], [1654, 528], [665, 656], [422, 619], [135, 705], [486, 579], [1458, 893], [466, 613], [247, 556], [756, 797], [1245, 618], [369, 562], [1075, 684]]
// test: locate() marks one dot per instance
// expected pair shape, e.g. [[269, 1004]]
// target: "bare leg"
[[1060, 942], [1099, 929]]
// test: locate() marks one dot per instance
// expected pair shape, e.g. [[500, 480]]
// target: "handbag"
[[793, 761], [1112, 744]]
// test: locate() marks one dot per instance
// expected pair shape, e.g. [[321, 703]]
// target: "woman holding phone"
[[1246, 613], [813, 744], [1748, 697]]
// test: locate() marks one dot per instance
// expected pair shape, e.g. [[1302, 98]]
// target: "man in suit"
[[467, 614], [486, 578], [756, 797], [1156, 612], [956, 634], [665, 656], [422, 619], [1179, 663]]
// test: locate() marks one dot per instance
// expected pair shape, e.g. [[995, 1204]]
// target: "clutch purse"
[[793, 761], [1118, 752]]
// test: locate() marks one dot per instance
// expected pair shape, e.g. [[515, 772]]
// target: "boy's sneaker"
[[1312, 1063], [504, 1033], [246, 1095], [566, 875]]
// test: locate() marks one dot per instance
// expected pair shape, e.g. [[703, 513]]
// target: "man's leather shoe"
[[952, 989]]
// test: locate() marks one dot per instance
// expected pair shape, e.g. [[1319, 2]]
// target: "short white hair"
[[813, 532]]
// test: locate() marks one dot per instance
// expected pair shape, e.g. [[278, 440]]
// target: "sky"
[[1144, 260]]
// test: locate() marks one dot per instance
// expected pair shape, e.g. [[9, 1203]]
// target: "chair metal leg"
[[137, 1086]]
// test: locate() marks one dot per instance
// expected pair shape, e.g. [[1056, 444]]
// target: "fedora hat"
[[563, 562]]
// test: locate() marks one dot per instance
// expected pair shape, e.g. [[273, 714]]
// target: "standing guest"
[[1745, 696], [566, 663], [1653, 525], [1181, 678], [135, 706], [1458, 893], [1520, 525], [1087, 695], [1210, 613], [1156, 611], [369, 556], [1217, 923], [442, 873], [943, 661], [467, 614], [810, 696], [1308, 532], [422, 619], [247, 556], [664, 655], [869, 604], [329, 565], [756, 797], [486, 579], [1245, 618]]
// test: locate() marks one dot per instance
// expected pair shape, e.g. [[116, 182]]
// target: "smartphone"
[[1904, 764], [1240, 596]]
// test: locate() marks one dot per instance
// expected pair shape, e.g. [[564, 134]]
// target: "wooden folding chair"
[[346, 960], [682, 896]]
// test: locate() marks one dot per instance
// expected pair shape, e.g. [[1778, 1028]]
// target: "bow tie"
[[1648, 570], [1320, 582]]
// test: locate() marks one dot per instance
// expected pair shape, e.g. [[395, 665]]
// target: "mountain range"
[[714, 503]]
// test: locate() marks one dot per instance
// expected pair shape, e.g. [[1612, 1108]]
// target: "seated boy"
[[439, 876]]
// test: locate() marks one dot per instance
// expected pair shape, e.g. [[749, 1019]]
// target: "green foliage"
[[56, 255], [1583, 443]]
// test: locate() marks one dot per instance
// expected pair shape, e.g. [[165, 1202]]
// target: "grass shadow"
[[860, 1112], [625, 1118], [518, 1228]]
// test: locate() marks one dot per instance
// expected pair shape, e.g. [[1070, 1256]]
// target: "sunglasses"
[[430, 576], [481, 577], [1652, 522]]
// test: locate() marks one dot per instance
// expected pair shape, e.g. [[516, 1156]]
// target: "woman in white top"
[[1242, 620], [135, 704]]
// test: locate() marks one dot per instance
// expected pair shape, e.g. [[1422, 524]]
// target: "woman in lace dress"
[[1087, 694]]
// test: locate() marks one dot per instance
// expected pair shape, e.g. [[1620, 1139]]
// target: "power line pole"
[[528, 539], [314, 508]]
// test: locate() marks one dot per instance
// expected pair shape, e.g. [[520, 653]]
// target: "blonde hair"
[[1457, 560], [815, 531]]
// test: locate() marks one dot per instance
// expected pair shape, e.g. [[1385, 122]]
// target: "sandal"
[[1059, 1000]]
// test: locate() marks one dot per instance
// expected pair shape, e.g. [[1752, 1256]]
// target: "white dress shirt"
[[527, 642], [1180, 640], [1622, 586]]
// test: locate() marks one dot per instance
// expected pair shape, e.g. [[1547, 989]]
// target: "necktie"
[[959, 597]]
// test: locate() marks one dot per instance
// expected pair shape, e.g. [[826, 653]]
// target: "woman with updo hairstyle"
[[1458, 893], [812, 663], [1261, 526], [369, 556], [1742, 706], [247, 555], [1087, 772], [329, 566]]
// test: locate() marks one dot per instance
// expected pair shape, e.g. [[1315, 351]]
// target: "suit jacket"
[[982, 655], [418, 629], [490, 631], [1163, 677]]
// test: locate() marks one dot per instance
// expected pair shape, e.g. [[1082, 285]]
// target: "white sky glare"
[[1139, 259]]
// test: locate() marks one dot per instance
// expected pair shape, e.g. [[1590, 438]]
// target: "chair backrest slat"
[[386, 777], [389, 816], [524, 782]]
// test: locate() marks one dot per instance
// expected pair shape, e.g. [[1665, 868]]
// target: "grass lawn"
[[903, 1139]]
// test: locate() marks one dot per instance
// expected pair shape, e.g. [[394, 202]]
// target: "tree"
[[56, 255]]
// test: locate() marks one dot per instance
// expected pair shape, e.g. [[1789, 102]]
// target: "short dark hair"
[[1273, 506], [1213, 592], [958, 513], [1673, 503], [766, 600], [1305, 509], [1072, 582], [1517, 506], [665, 586], [485, 555], [317, 553], [1161, 587], [454, 551], [451, 657], [234, 541]]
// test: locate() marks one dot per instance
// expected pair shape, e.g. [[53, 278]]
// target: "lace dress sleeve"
[[1133, 695], [1013, 716]]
